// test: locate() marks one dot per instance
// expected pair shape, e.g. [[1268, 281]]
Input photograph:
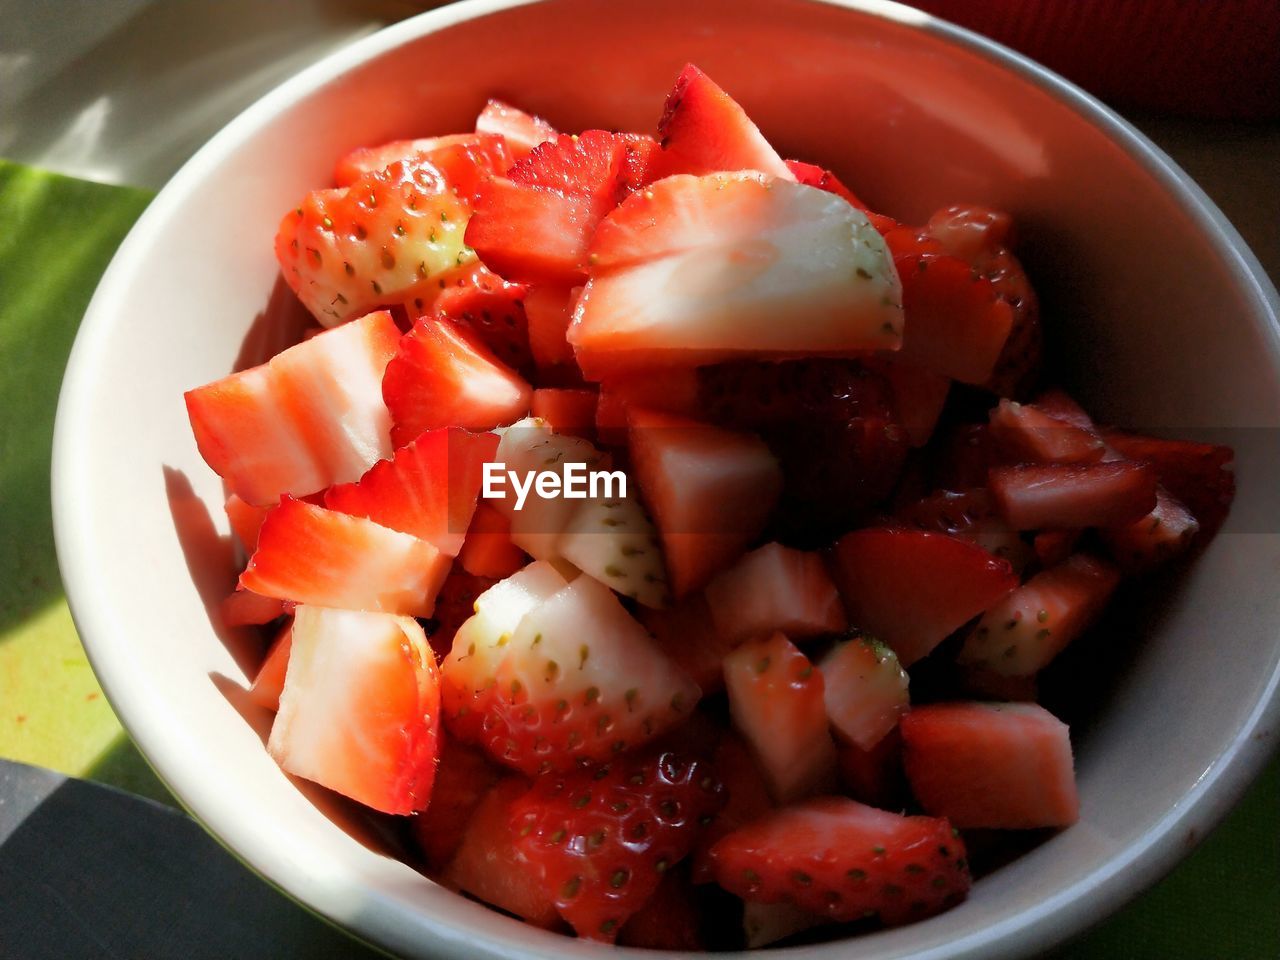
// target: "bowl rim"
[[1065, 913]]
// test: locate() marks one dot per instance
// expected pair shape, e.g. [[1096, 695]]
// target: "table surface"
[[121, 92]]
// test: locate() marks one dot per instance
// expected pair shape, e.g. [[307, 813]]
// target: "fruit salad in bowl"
[[668, 544]]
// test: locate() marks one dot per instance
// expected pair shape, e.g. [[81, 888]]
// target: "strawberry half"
[[772, 589], [600, 840], [363, 160], [839, 859], [912, 588], [1006, 766], [310, 417], [427, 489], [865, 690], [443, 375], [360, 709], [1073, 496], [308, 554], [521, 131]]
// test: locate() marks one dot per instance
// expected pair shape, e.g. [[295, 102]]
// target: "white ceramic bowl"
[[1163, 316]]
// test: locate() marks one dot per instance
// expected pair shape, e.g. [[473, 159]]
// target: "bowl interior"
[[1159, 325]]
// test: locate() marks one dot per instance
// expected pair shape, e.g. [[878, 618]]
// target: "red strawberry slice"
[[1023, 632], [245, 608], [1073, 496], [387, 238], [1198, 474], [839, 859], [600, 840], [360, 709], [696, 270], [549, 310], [1005, 766], [268, 684], [673, 390], [912, 588], [567, 411], [874, 776], [686, 633], [455, 605], [246, 521], [865, 690], [747, 800], [362, 160], [671, 919], [490, 868], [1165, 533], [311, 555], [493, 308], [776, 700], [710, 492], [487, 550], [536, 224], [772, 589], [1027, 433], [464, 778], [521, 131], [1052, 547], [703, 130], [969, 515], [443, 375], [310, 417], [814, 176], [919, 397], [576, 679], [427, 489]]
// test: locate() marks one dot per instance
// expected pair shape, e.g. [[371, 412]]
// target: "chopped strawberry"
[[1198, 474], [384, 239], [669, 920], [464, 778], [874, 776], [455, 605], [268, 683], [242, 608], [494, 309], [311, 555], [776, 700], [1024, 631], [567, 411], [354, 165], [1165, 533], [772, 589], [246, 521], [839, 859], [310, 417], [814, 176], [747, 799], [710, 490], [703, 130], [696, 270], [964, 456], [443, 375], [600, 840], [1059, 405], [487, 550], [549, 311], [970, 232], [912, 589], [969, 515], [576, 679], [1052, 547], [488, 866], [686, 633], [674, 390], [536, 225], [865, 690], [427, 489], [1029, 434], [919, 397], [611, 538], [360, 709], [521, 131], [1073, 496], [1006, 766]]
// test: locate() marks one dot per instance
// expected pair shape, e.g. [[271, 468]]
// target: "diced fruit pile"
[[688, 712]]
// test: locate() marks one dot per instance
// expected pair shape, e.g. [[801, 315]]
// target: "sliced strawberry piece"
[[464, 778], [703, 130], [814, 176], [536, 224], [776, 700], [696, 270], [488, 550], [669, 920], [310, 417], [1198, 474], [969, 515], [443, 375], [571, 412], [611, 538], [246, 521], [494, 309], [268, 684], [874, 776], [775, 589], [1006, 766], [912, 589], [671, 391], [686, 633], [865, 690], [747, 800], [521, 131], [919, 397], [427, 489], [363, 160], [839, 859], [360, 709], [1058, 496], [311, 555], [387, 238], [1029, 434], [242, 608], [1052, 547], [578, 679], [490, 868], [455, 605], [1023, 632], [549, 310], [710, 492], [1165, 533]]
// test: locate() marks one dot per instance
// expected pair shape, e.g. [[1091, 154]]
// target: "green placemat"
[[56, 237]]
